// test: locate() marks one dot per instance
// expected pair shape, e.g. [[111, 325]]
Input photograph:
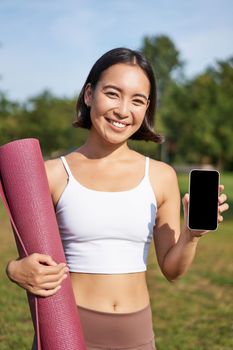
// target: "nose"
[[123, 109]]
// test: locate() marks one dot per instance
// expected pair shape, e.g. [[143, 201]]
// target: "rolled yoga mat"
[[25, 193]]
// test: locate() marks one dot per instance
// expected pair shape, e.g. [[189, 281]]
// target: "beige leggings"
[[115, 331], [111, 331]]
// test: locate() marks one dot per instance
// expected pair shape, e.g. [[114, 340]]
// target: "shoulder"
[[52, 166], [159, 168], [163, 179], [54, 171]]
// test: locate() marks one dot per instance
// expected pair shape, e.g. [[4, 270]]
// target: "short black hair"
[[121, 55]]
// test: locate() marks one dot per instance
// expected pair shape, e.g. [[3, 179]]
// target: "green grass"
[[194, 313]]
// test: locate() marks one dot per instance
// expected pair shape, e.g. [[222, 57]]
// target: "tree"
[[164, 58], [49, 119], [9, 123], [197, 117], [44, 117], [222, 74]]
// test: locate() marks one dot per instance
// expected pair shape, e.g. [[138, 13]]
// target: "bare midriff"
[[120, 293]]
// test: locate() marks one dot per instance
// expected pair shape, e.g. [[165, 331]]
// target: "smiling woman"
[[110, 203], [117, 109], [132, 62]]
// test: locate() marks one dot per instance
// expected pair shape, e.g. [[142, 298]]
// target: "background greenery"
[[195, 115], [194, 313]]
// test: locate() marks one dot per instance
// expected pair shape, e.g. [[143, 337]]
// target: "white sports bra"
[[106, 232]]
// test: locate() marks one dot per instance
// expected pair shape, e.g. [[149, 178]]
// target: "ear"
[[88, 94]]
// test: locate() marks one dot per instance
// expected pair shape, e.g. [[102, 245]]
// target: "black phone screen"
[[203, 199]]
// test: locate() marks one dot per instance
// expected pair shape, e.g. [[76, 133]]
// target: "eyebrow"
[[118, 89]]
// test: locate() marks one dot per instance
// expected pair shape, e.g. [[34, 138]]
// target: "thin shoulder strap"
[[66, 166], [147, 166]]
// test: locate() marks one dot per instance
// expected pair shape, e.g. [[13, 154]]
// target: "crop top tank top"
[[106, 232]]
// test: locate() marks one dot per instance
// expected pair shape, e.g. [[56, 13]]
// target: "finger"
[[44, 259], [185, 202], [44, 292], [221, 188], [222, 198], [220, 218], [52, 278], [53, 285], [185, 199], [54, 270], [223, 208]]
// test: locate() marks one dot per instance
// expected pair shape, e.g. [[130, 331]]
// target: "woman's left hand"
[[222, 207]]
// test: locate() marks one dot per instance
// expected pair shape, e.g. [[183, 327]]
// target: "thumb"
[[185, 202]]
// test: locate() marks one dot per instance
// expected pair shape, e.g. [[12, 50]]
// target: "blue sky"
[[52, 44]]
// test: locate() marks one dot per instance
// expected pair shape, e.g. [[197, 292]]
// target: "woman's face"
[[119, 102]]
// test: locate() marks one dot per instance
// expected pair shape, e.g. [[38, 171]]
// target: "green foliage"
[[164, 58], [44, 117], [9, 112], [194, 115], [197, 118]]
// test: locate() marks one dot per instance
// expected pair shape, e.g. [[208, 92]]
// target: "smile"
[[117, 124]]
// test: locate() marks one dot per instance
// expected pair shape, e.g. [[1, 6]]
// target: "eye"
[[111, 94], [138, 102]]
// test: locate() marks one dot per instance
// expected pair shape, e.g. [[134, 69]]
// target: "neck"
[[97, 148]]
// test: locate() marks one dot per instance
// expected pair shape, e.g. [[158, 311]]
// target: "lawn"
[[194, 313]]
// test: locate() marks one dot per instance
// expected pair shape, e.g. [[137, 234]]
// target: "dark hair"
[[121, 55]]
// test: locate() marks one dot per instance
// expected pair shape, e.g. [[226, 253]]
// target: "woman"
[[110, 202]]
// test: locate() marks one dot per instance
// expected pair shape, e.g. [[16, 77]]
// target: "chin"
[[116, 142]]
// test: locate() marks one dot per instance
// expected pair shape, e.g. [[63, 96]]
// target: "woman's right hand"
[[37, 273]]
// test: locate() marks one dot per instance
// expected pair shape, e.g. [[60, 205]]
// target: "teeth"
[[119, 125]]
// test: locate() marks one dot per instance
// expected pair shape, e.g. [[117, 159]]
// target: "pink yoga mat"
[[25, 193]]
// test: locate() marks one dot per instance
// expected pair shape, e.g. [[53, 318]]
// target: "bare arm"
[[175, 247], [39, 273]]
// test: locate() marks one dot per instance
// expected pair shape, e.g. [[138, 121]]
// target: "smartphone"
[[203, 199]]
